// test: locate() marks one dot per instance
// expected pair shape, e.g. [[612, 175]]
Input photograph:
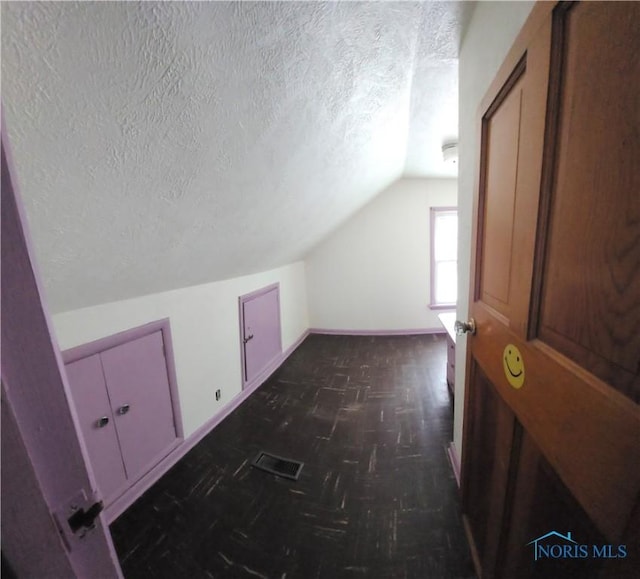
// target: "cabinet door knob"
[[123, 409], [102, 422]]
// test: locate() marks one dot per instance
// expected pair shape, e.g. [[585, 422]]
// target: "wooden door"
[[552, 423], [43, 443], [138, 386], [260, 332]]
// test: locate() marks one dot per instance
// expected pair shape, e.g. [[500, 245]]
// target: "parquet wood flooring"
[[370, 417]]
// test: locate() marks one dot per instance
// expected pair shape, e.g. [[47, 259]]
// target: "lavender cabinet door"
[[261, 336], [92, 405], [138, 386]]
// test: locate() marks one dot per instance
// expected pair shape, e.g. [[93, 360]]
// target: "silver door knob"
[[465, 327], [102, 422], [123, 409]]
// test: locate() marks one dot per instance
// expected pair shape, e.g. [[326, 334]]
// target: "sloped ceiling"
[[162, 145]]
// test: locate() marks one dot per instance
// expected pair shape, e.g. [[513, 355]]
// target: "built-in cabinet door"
[[261, 334], [92, 405], [138, 386], [123, 397], [552, 420]]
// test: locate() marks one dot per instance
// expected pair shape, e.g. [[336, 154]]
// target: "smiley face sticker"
[[513, 366]]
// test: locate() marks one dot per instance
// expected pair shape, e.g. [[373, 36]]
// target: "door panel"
[[27, 526], [587, 431], [261, 331], [511, 218], [590, 304], [540, 497], [501, 139], [91, 401], [573, 304], [136, 376], [43, 425], [487, 466]]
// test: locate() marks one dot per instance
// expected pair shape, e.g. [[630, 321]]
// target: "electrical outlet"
[[218, 394]]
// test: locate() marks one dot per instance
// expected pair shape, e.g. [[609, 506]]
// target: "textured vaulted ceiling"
[[162, 145]]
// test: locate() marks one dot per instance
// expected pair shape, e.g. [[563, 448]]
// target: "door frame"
[[43, 426], [243, 299]]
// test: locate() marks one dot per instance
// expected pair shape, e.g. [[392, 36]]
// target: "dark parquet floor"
[[370, 417]]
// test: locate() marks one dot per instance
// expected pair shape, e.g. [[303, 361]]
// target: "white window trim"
[[435, 211]]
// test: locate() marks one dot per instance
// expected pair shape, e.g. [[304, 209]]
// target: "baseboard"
[[291, 349], [407, 332], [455, 461], [274, 364], [124, 501]]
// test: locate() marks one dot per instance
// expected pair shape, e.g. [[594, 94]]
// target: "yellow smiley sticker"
[[513, 366]]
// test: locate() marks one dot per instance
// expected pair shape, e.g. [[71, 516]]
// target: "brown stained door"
[[552, 423]]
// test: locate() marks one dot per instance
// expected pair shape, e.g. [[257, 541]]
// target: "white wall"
[[372, 273], [204, 330], [491, 31]]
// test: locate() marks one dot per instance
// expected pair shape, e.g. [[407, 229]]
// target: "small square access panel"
[[277, 465]]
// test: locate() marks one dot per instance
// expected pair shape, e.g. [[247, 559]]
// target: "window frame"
[[435, 212]]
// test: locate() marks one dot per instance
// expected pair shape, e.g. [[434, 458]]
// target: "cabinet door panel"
[[261, 332], [136, 376], [92, 403]]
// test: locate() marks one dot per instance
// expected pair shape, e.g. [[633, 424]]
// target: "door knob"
[[102, 422], [123, 409], [465, 327], [249, 337]]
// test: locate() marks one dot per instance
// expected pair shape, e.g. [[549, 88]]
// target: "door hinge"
[[85, 520], [77, 517]]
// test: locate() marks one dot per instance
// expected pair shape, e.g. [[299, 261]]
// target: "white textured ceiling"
[[162, 145]]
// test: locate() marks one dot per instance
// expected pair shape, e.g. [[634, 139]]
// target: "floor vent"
[[278, 465]]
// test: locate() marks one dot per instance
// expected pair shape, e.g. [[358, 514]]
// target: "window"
[[444, 257]]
